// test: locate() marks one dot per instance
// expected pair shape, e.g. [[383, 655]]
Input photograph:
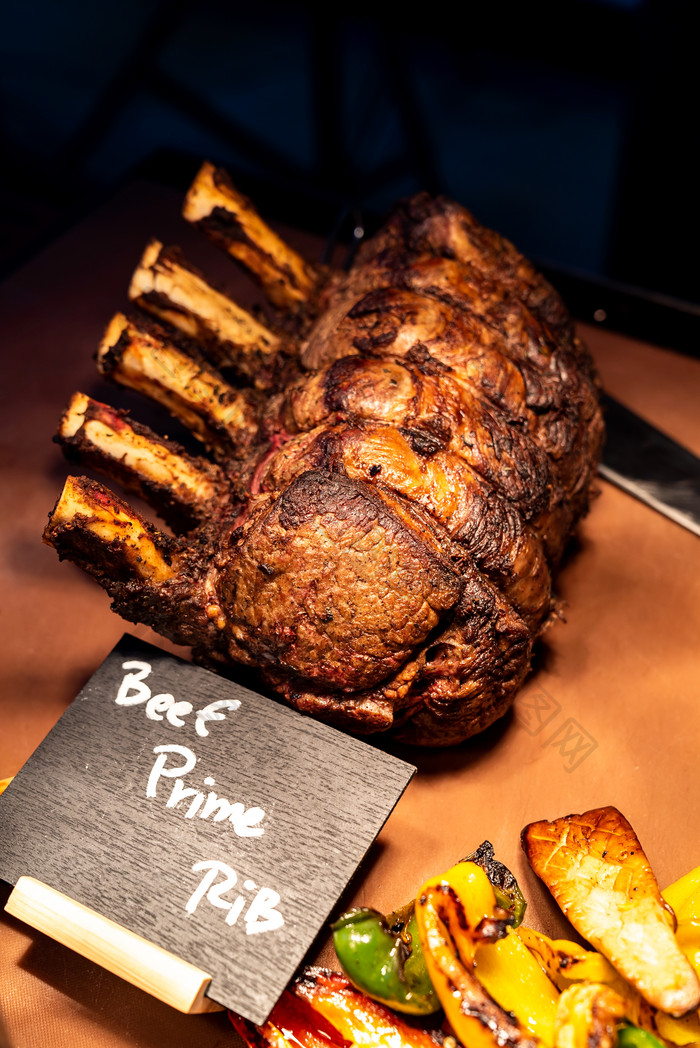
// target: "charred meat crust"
[[489, 343], [458, 682], [468, 508], [331, 582], [440, 226]]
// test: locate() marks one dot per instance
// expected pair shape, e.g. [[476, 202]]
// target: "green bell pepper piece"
[[629, 1036], [382, 957]]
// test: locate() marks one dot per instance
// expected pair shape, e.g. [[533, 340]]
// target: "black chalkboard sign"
[[201, 816]]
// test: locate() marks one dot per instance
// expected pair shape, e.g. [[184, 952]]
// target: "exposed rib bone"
[[96, 530], [150, 577], [164, 285], [220, 416], [184, 490], [232, 222]]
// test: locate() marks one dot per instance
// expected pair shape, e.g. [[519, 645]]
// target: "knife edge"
[[651, 466]]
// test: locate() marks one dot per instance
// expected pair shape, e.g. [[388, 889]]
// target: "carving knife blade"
[[648, 464]]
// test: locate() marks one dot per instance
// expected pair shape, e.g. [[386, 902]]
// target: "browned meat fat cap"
[[335, 581], [595, 868]]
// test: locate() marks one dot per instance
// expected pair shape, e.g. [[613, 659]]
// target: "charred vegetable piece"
[[383, 957], [685, 893], [293, 1022], [587, 1017], [505, 886], [355, 1017], [322, 1010], [597, 871], [684, 896], [566, 963], [513, 977], [456, 912]]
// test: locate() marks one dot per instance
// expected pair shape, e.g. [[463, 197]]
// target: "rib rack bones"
[[394, 464]]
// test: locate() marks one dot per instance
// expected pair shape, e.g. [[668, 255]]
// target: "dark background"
[[569, 125]]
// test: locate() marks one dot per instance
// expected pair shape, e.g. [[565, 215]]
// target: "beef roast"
[[395, 462]]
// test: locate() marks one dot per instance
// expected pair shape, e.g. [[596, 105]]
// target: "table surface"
[[610, 715]]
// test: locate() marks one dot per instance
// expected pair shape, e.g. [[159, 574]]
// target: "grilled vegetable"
[[629, 1036], [597, 871], [357, 1018], [382, 956], [505, 886], [685, 1030], [457, 915], [322, 1010], [684, 898], [292, 1023], [513, 977], [568, 964], [500, 988], [587, 1017]]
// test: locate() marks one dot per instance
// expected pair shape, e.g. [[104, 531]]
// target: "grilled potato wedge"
[[595, 868]]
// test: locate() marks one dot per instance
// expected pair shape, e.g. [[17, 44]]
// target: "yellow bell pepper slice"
[[685, 891], [567, 964], [679, 1031], [683, 896], [456, 913], [512, 976]]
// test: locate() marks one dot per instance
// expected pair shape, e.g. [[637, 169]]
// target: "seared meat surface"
[[391, 480]]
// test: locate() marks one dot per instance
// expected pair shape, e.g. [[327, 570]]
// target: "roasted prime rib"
[[396, 460]]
